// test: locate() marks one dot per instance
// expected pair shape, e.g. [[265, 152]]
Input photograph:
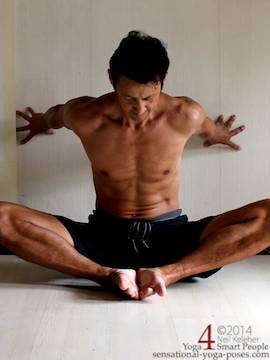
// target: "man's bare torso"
[[135, 170]]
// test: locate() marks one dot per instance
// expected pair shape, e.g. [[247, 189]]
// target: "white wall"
[[8, 171], [220, 56]]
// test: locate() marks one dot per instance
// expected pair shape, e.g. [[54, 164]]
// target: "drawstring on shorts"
[[139, 233]]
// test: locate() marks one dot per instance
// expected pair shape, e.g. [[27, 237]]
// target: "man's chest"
[[120, 152]]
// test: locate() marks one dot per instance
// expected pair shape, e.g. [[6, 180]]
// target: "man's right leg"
[[40, 238]]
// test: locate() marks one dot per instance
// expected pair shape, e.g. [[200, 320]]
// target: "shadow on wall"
[[195, 147], [65, 168]]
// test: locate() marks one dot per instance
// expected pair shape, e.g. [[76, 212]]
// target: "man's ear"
[[110, 76]]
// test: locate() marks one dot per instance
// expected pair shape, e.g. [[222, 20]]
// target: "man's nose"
[[140, 107]]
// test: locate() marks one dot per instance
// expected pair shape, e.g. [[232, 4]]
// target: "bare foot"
[[125, 280], [151, 281]]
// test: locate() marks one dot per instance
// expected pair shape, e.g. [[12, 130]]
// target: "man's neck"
[[136, 124]]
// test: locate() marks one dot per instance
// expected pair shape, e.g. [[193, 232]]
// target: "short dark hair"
[[140, 57]]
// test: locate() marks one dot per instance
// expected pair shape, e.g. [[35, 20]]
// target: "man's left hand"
[[224, 133]]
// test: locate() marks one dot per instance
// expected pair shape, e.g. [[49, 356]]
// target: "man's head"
[[137, 71], [141, 58]]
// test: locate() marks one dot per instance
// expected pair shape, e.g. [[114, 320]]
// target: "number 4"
[[209, 341]]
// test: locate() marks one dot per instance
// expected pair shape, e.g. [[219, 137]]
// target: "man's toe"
[[146, 292], [129, 287], [161, 289]]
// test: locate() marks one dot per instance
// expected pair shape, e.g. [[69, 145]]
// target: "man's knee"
[[258, 214], [5, 208], [263, 208], [9, 216], [266, 203], [258, 210], [5, 211]]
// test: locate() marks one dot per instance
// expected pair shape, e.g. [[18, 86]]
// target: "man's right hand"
[[37, 124]]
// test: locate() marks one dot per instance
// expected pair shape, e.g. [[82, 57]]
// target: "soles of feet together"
[[144, 282], [139, 284]]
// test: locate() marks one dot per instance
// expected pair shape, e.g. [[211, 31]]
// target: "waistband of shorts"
[[163, 217]]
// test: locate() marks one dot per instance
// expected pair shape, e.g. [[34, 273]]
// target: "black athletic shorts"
[[134, 243]]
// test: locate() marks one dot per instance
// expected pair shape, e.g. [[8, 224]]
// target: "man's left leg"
[[228, 238]]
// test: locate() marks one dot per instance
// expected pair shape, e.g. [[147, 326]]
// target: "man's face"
[[136, 100]]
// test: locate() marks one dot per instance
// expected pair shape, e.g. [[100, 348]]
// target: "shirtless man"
[[136, 239]]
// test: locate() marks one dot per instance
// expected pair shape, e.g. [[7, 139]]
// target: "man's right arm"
[[54, 118]]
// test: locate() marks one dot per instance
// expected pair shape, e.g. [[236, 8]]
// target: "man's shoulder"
[[180, 104], [184, 113], [87, 112], [84, 106], [186, 105]]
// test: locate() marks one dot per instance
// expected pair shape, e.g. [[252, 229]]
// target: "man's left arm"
[[215, 132]]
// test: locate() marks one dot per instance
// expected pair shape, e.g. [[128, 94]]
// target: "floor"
[[47, 315]]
